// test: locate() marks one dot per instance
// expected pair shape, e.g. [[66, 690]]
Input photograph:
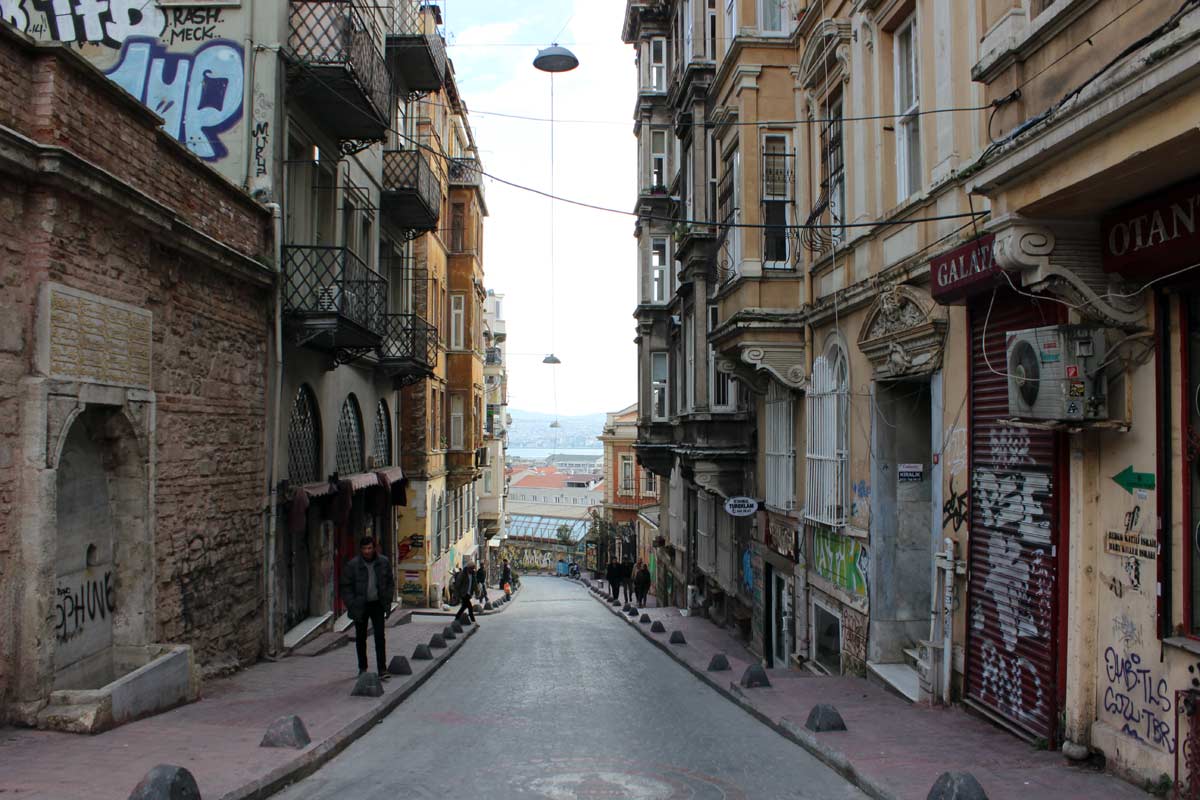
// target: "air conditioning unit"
[[1056, 373]]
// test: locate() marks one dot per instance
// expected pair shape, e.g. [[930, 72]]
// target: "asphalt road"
[[557, 698]]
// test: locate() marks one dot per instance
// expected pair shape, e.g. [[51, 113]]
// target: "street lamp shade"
[[551, 359], [555, 59]]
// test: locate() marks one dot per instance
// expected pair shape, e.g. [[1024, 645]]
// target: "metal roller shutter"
[[1011, 657]]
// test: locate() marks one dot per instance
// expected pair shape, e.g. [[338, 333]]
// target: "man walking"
[[481, 583], [627, 579], [367, 587], [506, 579], [641, 584], [466, 584]]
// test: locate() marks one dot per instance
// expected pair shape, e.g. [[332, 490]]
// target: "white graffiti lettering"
[[13, 12], [1008, 500], [1008, 583], [1009, 447], [1004, 679], [109, 22]]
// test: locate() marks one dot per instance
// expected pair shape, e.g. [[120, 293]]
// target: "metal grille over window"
[[349, 453], [383, 435], [781, 451], [706, 555], [827, 454], [304, 439], [827, 212]]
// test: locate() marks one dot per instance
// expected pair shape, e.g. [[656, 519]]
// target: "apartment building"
[[873, 217], [493, 485], [628, 488]]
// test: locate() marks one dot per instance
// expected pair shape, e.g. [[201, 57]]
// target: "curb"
[[308, 763], [834, 759], [437, 612]]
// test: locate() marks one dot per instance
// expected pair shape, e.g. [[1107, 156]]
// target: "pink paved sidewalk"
[[217, 737], [891, 749]]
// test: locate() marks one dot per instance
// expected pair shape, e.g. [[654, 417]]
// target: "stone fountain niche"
[[104, 670]]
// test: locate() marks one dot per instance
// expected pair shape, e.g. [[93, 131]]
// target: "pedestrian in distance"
[[506, 579], [367, 587], [613, 577], [627, 580], [481, 582], [641, 583], [466, 584]]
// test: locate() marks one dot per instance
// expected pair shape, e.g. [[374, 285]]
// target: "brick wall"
[[210, 341]]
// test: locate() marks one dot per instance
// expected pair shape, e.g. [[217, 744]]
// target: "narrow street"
[[557, 698]]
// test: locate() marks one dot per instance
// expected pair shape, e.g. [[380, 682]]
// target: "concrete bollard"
[[956, 786], [448, 633], [644, 619], [754, 677], [286, 731], [488, 606], [824, 718], [677, 638], [422, 653], [436, 642], [633, 612], [625, 607], [367, 685], [399, 666], [718, 663], [166, 782], [657, 627], [457, 626]]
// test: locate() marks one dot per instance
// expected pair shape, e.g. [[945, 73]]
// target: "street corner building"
[[917, 351], [134, 351]]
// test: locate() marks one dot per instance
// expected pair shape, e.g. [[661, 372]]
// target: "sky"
[[583, 309]]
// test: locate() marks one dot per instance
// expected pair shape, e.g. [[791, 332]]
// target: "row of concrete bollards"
[[823, 718]]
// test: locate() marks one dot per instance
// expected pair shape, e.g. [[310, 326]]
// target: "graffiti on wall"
[[529, 556], [860, 502], [1140, 700], [1007, 677], [411, 547], [842, 560], [107, 22], [77, 607], [198, 94], [954, 510], [854, 641]]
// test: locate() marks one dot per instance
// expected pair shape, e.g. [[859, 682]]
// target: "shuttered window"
[[827, 456]]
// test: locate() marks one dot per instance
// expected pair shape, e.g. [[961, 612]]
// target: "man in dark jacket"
[[506, 578], [465, 587], [641, 583], [368, 587], [627, 579]]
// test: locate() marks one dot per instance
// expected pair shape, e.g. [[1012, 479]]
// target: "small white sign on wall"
[[911, 473], [741, 506]]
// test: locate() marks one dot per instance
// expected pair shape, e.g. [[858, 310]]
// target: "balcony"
[[465, 173], [416, 59], [333, 301], [493, 357], [409, 350], [342, 78], [412, 194]]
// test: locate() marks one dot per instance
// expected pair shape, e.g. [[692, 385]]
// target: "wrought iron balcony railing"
[[412, 193], [336, 293], [409, 350], [465, 172], [417, 58], [778, 175], [342, 76]]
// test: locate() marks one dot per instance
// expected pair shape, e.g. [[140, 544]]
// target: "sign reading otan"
[[741, 506], [963, 271], [1156, 235]]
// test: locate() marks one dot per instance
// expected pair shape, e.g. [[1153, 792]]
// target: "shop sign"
[[782, 539], [741, 506], [963, 271], [1154, 236]]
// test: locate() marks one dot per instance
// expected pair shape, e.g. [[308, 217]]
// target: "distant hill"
[[532, 429]]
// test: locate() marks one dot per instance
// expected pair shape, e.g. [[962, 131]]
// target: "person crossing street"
[[465, 589]]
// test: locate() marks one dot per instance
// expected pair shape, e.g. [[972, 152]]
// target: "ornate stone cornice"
[[901, 336]]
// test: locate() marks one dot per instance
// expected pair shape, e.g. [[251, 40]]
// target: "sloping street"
[[557, 698]]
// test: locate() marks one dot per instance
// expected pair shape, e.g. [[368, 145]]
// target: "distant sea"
[[537, 453]]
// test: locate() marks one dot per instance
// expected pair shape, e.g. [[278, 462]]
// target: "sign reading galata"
[[960, 272]]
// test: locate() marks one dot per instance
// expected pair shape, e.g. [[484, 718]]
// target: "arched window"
[[383, 435], [349, 454], [304, 438], [828, 440]]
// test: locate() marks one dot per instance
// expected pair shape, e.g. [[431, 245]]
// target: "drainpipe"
[[272, 507]]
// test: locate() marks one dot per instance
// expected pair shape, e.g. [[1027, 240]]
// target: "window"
[[771, 15], [777, 174], [649, 482], [833, 168], [304, 439], [658, 64], [722, 391], [349, 453], [658, 270], [458, 227], [781, 448], [689, 348], [658, 159], [827, 486], [383, 435], [435, 310], [711, 215], [706, 541], [908, 121], [685, 23], [727, 202], [731, 22], [487, 482], [458, 312], [689, 174], [710, 31], [659, 394], [627, 475], [456, 422]]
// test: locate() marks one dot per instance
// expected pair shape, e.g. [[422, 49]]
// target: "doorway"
[[781, 604], [902, 516]]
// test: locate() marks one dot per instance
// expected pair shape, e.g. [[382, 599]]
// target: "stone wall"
[[93, 196]]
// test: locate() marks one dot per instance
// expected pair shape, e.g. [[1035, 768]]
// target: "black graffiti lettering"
[[95, 598], [954, 510], [262, 135]]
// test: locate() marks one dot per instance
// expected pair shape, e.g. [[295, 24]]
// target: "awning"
[[298, 505], [363, 480], [395, 484]]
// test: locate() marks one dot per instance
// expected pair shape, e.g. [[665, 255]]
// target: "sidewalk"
[[217, 737], [891, 749]]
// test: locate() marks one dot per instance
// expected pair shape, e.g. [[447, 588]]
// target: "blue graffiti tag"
[[198, 95]]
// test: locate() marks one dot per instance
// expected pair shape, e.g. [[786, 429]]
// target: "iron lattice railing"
[[465, 172], [410, 170], [341, 33], [407, 29], [332, 280], [407, 337]]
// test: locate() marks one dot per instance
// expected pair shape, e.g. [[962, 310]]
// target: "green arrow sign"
[[1129, 480]]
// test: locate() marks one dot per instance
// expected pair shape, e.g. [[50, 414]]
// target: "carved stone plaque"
[[91, 339]]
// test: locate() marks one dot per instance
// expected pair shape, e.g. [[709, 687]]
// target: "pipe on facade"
[[1162, 312], [275, 411]]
